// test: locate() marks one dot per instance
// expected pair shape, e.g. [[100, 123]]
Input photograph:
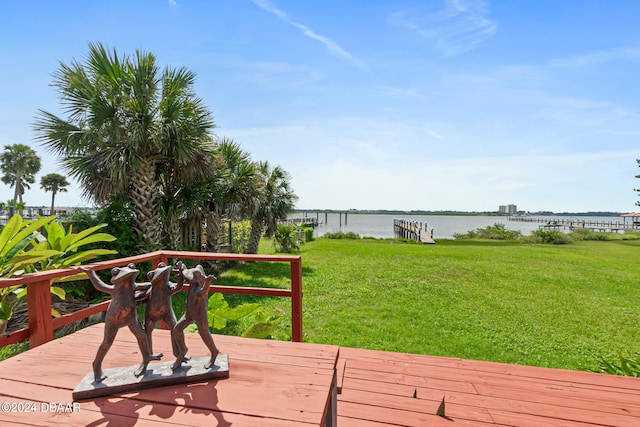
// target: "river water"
[[444, 226]]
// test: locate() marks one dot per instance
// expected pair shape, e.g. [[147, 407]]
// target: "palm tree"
[[55, 183], [237, 197], [228, 192], [275, 201], [19, 163], [126, 123]]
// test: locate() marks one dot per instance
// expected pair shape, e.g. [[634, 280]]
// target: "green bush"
[[234, 320], [342, 235], [555, 237], [240, 232], [308, 234], [38, 245], [580, 233], [496, 231], [287, 238]]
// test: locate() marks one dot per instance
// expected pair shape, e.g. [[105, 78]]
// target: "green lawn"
[[559, 306]]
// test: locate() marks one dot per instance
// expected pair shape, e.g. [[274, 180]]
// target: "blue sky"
[[375, 104]]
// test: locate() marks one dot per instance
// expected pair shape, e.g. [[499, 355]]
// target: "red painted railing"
[[41, 324]]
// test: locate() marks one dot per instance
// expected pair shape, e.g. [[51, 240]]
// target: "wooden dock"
[[414, 230], [307, 221], [569, 223]]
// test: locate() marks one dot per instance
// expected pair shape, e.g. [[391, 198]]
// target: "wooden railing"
[[41, 325]]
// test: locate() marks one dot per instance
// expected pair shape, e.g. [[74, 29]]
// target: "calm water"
[[444, 226]]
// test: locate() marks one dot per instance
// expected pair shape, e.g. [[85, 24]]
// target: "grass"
[[573, 306], [561, 306]]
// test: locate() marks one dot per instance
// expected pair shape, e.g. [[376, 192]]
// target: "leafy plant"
[[68, 244], [287, 238], [240, 231], [628, 366], [580, 233], [15, 238], [342, 235], [555, 237], [496, 231], [24, 249], [263, 328], [220, 313], [222, 317], [308, 234]]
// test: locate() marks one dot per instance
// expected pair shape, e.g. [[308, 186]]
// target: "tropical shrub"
[[287, 238], [25, 249], [342, 235], [15, 257], [118, 217], [225, 319], [308, 234], [496, 231], [240, 232], [555, 237], [580, 233]]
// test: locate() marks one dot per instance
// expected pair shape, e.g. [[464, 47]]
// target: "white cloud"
[[460, 26], [597, 57], [331, 45], [398, 91]]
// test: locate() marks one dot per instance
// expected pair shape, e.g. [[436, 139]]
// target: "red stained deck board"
[[521, 404], [511, 395], [533, 373], [407, 379], [355, 422], [383, 401], [125, 411], [463, 406], [242, 348], [399, 417], [493, 385], [268, 385], [378, 387]]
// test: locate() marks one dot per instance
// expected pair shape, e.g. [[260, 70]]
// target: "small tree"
[[275, 200], [19, 163], [55, 183]]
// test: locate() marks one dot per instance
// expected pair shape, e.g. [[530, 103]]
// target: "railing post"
[[154, 264], [39, 313], [296, 300]]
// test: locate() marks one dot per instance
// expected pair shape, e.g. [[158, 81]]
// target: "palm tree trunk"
[[53, 202], [257, 226], [16, 193], [214, 225], [146, 205]]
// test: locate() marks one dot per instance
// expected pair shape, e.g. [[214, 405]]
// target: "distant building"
[[507, 209]]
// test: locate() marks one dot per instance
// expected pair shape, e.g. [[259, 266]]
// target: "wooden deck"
[[285, 384], [392, 389], [271, 383]]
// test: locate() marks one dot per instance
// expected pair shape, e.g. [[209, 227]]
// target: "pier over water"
[[412, 229], [594, 224]]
